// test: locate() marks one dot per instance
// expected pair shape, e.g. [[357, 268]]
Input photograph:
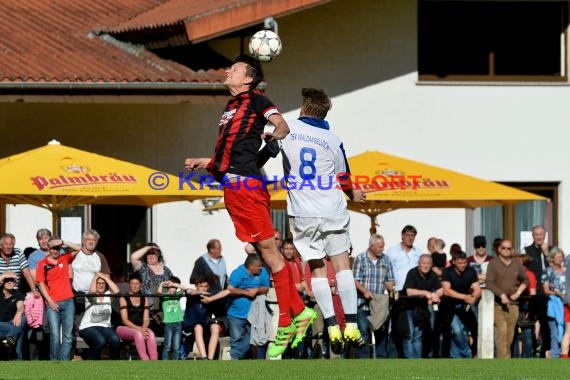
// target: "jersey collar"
[[315, 122]]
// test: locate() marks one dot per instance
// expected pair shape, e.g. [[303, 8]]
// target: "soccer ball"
[[265, 45]]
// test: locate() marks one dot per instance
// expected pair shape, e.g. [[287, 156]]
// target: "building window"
[[508, 222], [492, 40], [281, 222]]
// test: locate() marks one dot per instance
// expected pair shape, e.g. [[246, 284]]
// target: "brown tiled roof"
[[87, 43], [52, 41], [204, 19]]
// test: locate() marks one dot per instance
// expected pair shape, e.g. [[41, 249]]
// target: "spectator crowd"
[[410, 303]]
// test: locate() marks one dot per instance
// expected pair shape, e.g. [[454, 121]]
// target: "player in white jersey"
[[313, 157]]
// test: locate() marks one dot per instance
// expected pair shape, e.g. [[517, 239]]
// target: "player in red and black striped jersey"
[[235, 163], [241, 127]]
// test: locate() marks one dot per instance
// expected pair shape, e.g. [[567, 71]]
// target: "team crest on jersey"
[[226, 117]]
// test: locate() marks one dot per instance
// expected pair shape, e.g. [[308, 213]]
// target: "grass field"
[[291, 369]]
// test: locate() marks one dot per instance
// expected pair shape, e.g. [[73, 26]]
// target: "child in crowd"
[[171, 291], [200, 319], [34, 310]]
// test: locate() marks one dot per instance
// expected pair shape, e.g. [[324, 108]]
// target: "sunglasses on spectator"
[[10, 279], [56, 248]]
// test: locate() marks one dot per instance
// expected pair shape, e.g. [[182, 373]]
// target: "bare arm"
[[237, 292], [161, 286], [178, 286], [19, 312], [410, 292], [93, 286], [114, 288], [448, 292], [524, 282], [45, 294], [251, 292], [215, 297], [29, 278], [532, 292], [193, 164], [467, 298], [73, 246], [262, 290], [476, 291], [137, 255], [433, 296], [365, 292], [146, 314], [546, 289], [518, 293], [281, 129]]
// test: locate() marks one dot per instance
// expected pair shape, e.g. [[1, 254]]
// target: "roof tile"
[[205, 19], [70, 41], [53, 41]]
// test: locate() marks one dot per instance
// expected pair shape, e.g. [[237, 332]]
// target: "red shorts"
[[567, 312], [247, 202]]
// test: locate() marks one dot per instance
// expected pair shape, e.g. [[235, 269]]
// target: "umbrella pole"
[[54, 219], [372, 224]]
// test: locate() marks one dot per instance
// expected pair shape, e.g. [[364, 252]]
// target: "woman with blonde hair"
[[554, 286]]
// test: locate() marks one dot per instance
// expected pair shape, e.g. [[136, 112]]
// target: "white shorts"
[[316, 238]]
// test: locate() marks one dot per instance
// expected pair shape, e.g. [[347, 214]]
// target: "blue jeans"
[[381, 338], [526, 336], [412, 346], [172, 338], [8, 329], [459, 341], [239, 337], [554, 343], [97, 337], [62, 318]]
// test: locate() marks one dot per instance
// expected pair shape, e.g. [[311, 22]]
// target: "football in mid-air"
[[265, 45]]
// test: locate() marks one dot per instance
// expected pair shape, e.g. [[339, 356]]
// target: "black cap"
[[480, 241]]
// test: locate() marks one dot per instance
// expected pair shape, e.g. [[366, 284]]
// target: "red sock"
[[281, 280], [295, 300]]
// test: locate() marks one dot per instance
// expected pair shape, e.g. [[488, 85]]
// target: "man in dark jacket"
[[538, 252]]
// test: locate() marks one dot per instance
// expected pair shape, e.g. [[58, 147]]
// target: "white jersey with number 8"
[[312, 159]]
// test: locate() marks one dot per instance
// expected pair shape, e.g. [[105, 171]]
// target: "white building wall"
[[23, 221]]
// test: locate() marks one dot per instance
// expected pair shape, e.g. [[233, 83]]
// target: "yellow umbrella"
[[56, 177], [392, 183]]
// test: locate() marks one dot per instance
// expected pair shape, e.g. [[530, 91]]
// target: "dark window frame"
[[479, 61]]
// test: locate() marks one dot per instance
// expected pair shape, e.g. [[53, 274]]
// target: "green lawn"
[[291, 369]]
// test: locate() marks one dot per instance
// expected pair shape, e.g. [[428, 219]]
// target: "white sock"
[[322, 292], [346, 290]]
